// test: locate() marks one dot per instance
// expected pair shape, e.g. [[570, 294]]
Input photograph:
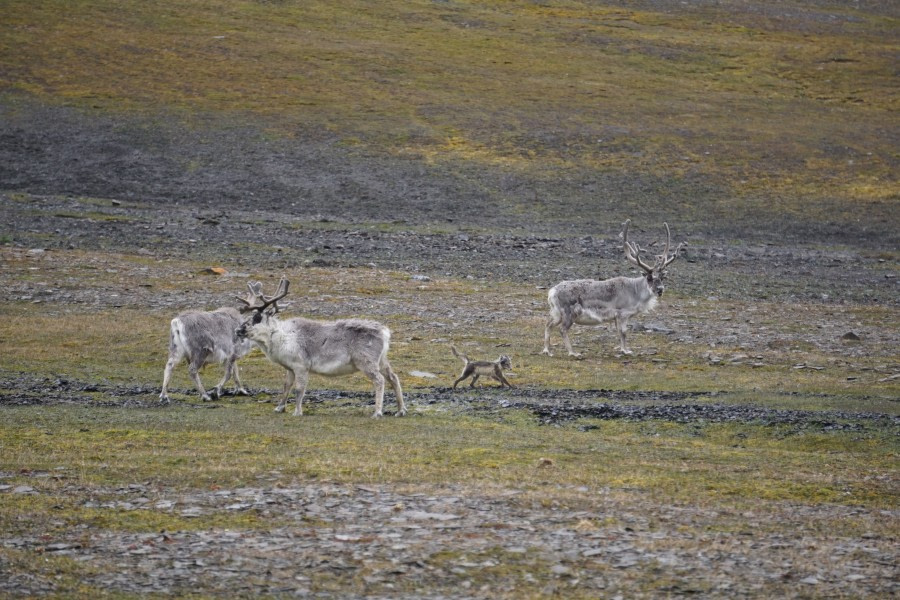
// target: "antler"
[[632, 250], [251, 299], [280, 293], [257, 301], [665, 260]]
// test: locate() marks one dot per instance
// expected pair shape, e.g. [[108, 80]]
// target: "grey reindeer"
[[477, 368], [207, 337], [332, 348], [591, 302]]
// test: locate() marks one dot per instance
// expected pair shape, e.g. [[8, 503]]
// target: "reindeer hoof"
[[279, 408], [205, 398], [163, 399], [547, 352], [377, 415], [401, 413], [297, 413], [243, 392]]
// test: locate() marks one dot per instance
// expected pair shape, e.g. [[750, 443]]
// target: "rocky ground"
[[447, 543]]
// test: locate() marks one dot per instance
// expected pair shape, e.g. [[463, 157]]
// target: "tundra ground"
[[438, 166]]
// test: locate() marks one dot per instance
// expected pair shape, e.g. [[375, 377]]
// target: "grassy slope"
[[739, 95]]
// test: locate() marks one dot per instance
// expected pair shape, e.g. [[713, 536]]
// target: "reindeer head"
[[656, 273], [263, 308]]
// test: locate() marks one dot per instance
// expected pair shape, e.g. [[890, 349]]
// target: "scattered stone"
[[420, 515], [657, 328], [423, 374], [60, 547]]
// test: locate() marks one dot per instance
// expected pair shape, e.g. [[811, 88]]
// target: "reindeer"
[[329, 348], [201, 338], [590, 302]]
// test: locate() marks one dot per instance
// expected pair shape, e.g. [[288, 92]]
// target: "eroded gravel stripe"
[[551, 407]]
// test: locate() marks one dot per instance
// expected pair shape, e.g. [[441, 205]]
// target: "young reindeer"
[[477, 368], [202, 338], [590, 302], [327, 348]]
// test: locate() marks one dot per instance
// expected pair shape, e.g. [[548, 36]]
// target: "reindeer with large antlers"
[[591, 302], [204, 337], [329, 348]]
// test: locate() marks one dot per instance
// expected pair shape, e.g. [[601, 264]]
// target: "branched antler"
[[258, 301], [632, 250]]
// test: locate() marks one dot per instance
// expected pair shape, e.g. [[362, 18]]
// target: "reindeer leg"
[[174, 359], [302, 378], [378, 379], [194, 371], [239, 387], [553, 321], [474, 379], [622, 327], [388, 372], [289, 379], [564, 331], [229, 371]]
